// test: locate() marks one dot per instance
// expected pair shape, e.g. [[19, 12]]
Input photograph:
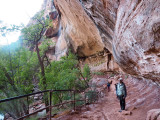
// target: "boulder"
[[132, 108], [126, 112], [153, 114]]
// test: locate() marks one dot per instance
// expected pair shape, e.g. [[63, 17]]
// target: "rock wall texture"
[[103, 13], [81, 31], [136, 44], [101, 62], [78, 30], [129, 29], [153, 114]]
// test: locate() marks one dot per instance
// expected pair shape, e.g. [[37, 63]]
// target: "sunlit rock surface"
[[78, 30]]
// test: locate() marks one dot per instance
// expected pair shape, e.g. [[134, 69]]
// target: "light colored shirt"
[[121, 89]]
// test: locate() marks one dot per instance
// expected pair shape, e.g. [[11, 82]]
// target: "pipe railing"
[[50, 102]]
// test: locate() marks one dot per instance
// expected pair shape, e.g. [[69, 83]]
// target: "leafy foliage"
[[64, 75], [92, 96], [16, 69], [86, 72], [19, 66], [98, 73], [34, 33], [5, 29]]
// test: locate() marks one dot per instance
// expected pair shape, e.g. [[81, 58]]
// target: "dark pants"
[[108, 87], [122, 102]]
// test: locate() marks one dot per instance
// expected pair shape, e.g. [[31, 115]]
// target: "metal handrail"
[[22, 96], [50, 99]]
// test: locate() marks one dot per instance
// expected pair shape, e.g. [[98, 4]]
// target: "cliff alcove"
[[115, 38], [117, 35], [132, 36]]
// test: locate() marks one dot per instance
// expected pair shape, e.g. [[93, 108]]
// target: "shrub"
[[98, 73]]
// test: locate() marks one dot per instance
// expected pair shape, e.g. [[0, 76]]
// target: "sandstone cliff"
[[128, 30], [136, 44]]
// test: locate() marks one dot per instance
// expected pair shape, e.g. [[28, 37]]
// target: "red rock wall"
[[136, 44], [103, 13], [78, 30], [129, 29]]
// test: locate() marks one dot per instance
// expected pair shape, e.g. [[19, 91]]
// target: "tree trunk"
[[43, 76]]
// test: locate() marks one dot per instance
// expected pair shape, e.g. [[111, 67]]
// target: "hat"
[[120, 79]]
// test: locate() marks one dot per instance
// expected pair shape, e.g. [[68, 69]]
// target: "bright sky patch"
[[17, 12]]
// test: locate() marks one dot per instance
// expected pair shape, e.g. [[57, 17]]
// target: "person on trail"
[[121, 93], [108, 85]]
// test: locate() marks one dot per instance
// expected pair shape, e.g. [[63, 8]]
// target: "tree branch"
[[7, 75]]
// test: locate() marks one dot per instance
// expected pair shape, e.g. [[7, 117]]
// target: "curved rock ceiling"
[[129, 29]]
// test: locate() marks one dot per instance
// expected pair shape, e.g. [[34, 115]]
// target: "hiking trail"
[[142, 96]]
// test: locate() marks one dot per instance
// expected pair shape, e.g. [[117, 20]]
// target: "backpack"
[[116, 89]]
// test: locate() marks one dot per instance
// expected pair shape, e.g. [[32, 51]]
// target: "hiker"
[[121, 93], [108, 85]]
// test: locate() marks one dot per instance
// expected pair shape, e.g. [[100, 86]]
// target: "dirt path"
[[142, 97]]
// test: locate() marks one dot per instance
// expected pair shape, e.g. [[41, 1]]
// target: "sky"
[[17, 12]]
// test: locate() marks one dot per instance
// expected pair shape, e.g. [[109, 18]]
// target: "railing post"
[[28, 105], [50, 105], [85, 99], [74, 101]]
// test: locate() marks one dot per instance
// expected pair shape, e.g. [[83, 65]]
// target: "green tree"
[[17, 69], [33, 36], [16, 74], [65, 74]]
